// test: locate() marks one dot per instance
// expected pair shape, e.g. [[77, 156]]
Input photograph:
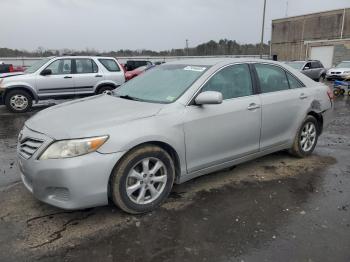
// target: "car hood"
[[6, 75], [92, 116], [341, 69]]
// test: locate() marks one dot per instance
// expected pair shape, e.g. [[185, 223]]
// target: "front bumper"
[[71, 183], [337, 76]]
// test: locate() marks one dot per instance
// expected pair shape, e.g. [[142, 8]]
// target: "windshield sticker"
[[170, 98], [195, 68]]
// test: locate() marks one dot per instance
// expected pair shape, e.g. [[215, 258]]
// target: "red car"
[[9, 68], [131, 74]]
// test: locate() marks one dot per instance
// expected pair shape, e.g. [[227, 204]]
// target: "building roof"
[[310, 14]]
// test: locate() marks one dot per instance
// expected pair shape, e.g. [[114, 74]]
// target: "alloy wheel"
[[308, 136], [19, 102], [146, 181]]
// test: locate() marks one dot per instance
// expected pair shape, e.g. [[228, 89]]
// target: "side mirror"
[[46, 72], [209, 98], [306, 68]]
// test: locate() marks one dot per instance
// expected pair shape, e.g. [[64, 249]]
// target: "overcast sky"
[[142, 24]]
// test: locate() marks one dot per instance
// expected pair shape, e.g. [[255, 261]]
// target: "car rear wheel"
[[306, 138], [18, 101], [105, 90], [143, 179]]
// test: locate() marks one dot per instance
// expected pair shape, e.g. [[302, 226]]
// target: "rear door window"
[[85, 66], [315, 64], [271, 78], [293, 82]]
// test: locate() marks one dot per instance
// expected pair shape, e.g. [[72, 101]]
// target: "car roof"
[[215, 61], [83, 56]]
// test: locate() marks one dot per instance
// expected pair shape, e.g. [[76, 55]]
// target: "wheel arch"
[[21, 87], [319, 118], [165, 146], [103, 84]]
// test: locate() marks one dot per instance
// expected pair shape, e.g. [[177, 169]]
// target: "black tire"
[[23, 95], [342, 91], [104, 89], [121, 177], [297, 149], [336, 91]]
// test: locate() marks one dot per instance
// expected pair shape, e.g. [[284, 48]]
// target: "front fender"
[[164, 129], [20, 85]]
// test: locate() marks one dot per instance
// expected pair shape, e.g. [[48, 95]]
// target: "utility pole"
[[262, 31], [187, 47]]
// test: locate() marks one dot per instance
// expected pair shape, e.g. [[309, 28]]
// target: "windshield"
[[163, 84], [344, 64], [296, 65], [36, 66]]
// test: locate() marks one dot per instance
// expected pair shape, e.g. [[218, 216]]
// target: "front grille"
[[335, 73], [28, 146]]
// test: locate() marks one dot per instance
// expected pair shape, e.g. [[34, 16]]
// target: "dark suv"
[[133, 64], [312, 68]]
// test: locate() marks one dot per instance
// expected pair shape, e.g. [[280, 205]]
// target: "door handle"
[[253, 106], [67, 77], [302, 96], [98, 75]]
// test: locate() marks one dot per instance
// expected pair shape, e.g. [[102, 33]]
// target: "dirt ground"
[[276, 208]]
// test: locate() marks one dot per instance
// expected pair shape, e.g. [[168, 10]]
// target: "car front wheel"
[[306, 138], [143, 179], [18, 101]]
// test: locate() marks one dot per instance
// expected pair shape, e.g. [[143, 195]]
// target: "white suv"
[[60, 77]]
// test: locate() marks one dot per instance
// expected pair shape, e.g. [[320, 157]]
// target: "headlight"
[[72, 148], [346, 72]]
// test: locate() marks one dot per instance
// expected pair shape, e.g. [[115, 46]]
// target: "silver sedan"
[[171, 124]]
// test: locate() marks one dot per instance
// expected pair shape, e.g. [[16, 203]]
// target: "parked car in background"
[[133, 64], [9, 68], [311, 68], [6, 68], [60, 77], [131, 74], [159, 62], [340, 72], [123, 67], [157, 129]]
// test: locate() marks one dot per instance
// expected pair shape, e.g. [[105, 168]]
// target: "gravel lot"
[[277, 208]]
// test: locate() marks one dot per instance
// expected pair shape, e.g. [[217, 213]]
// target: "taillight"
[[330, 94], [11, 68]]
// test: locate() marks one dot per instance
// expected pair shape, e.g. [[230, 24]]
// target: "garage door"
[[324, 54]]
